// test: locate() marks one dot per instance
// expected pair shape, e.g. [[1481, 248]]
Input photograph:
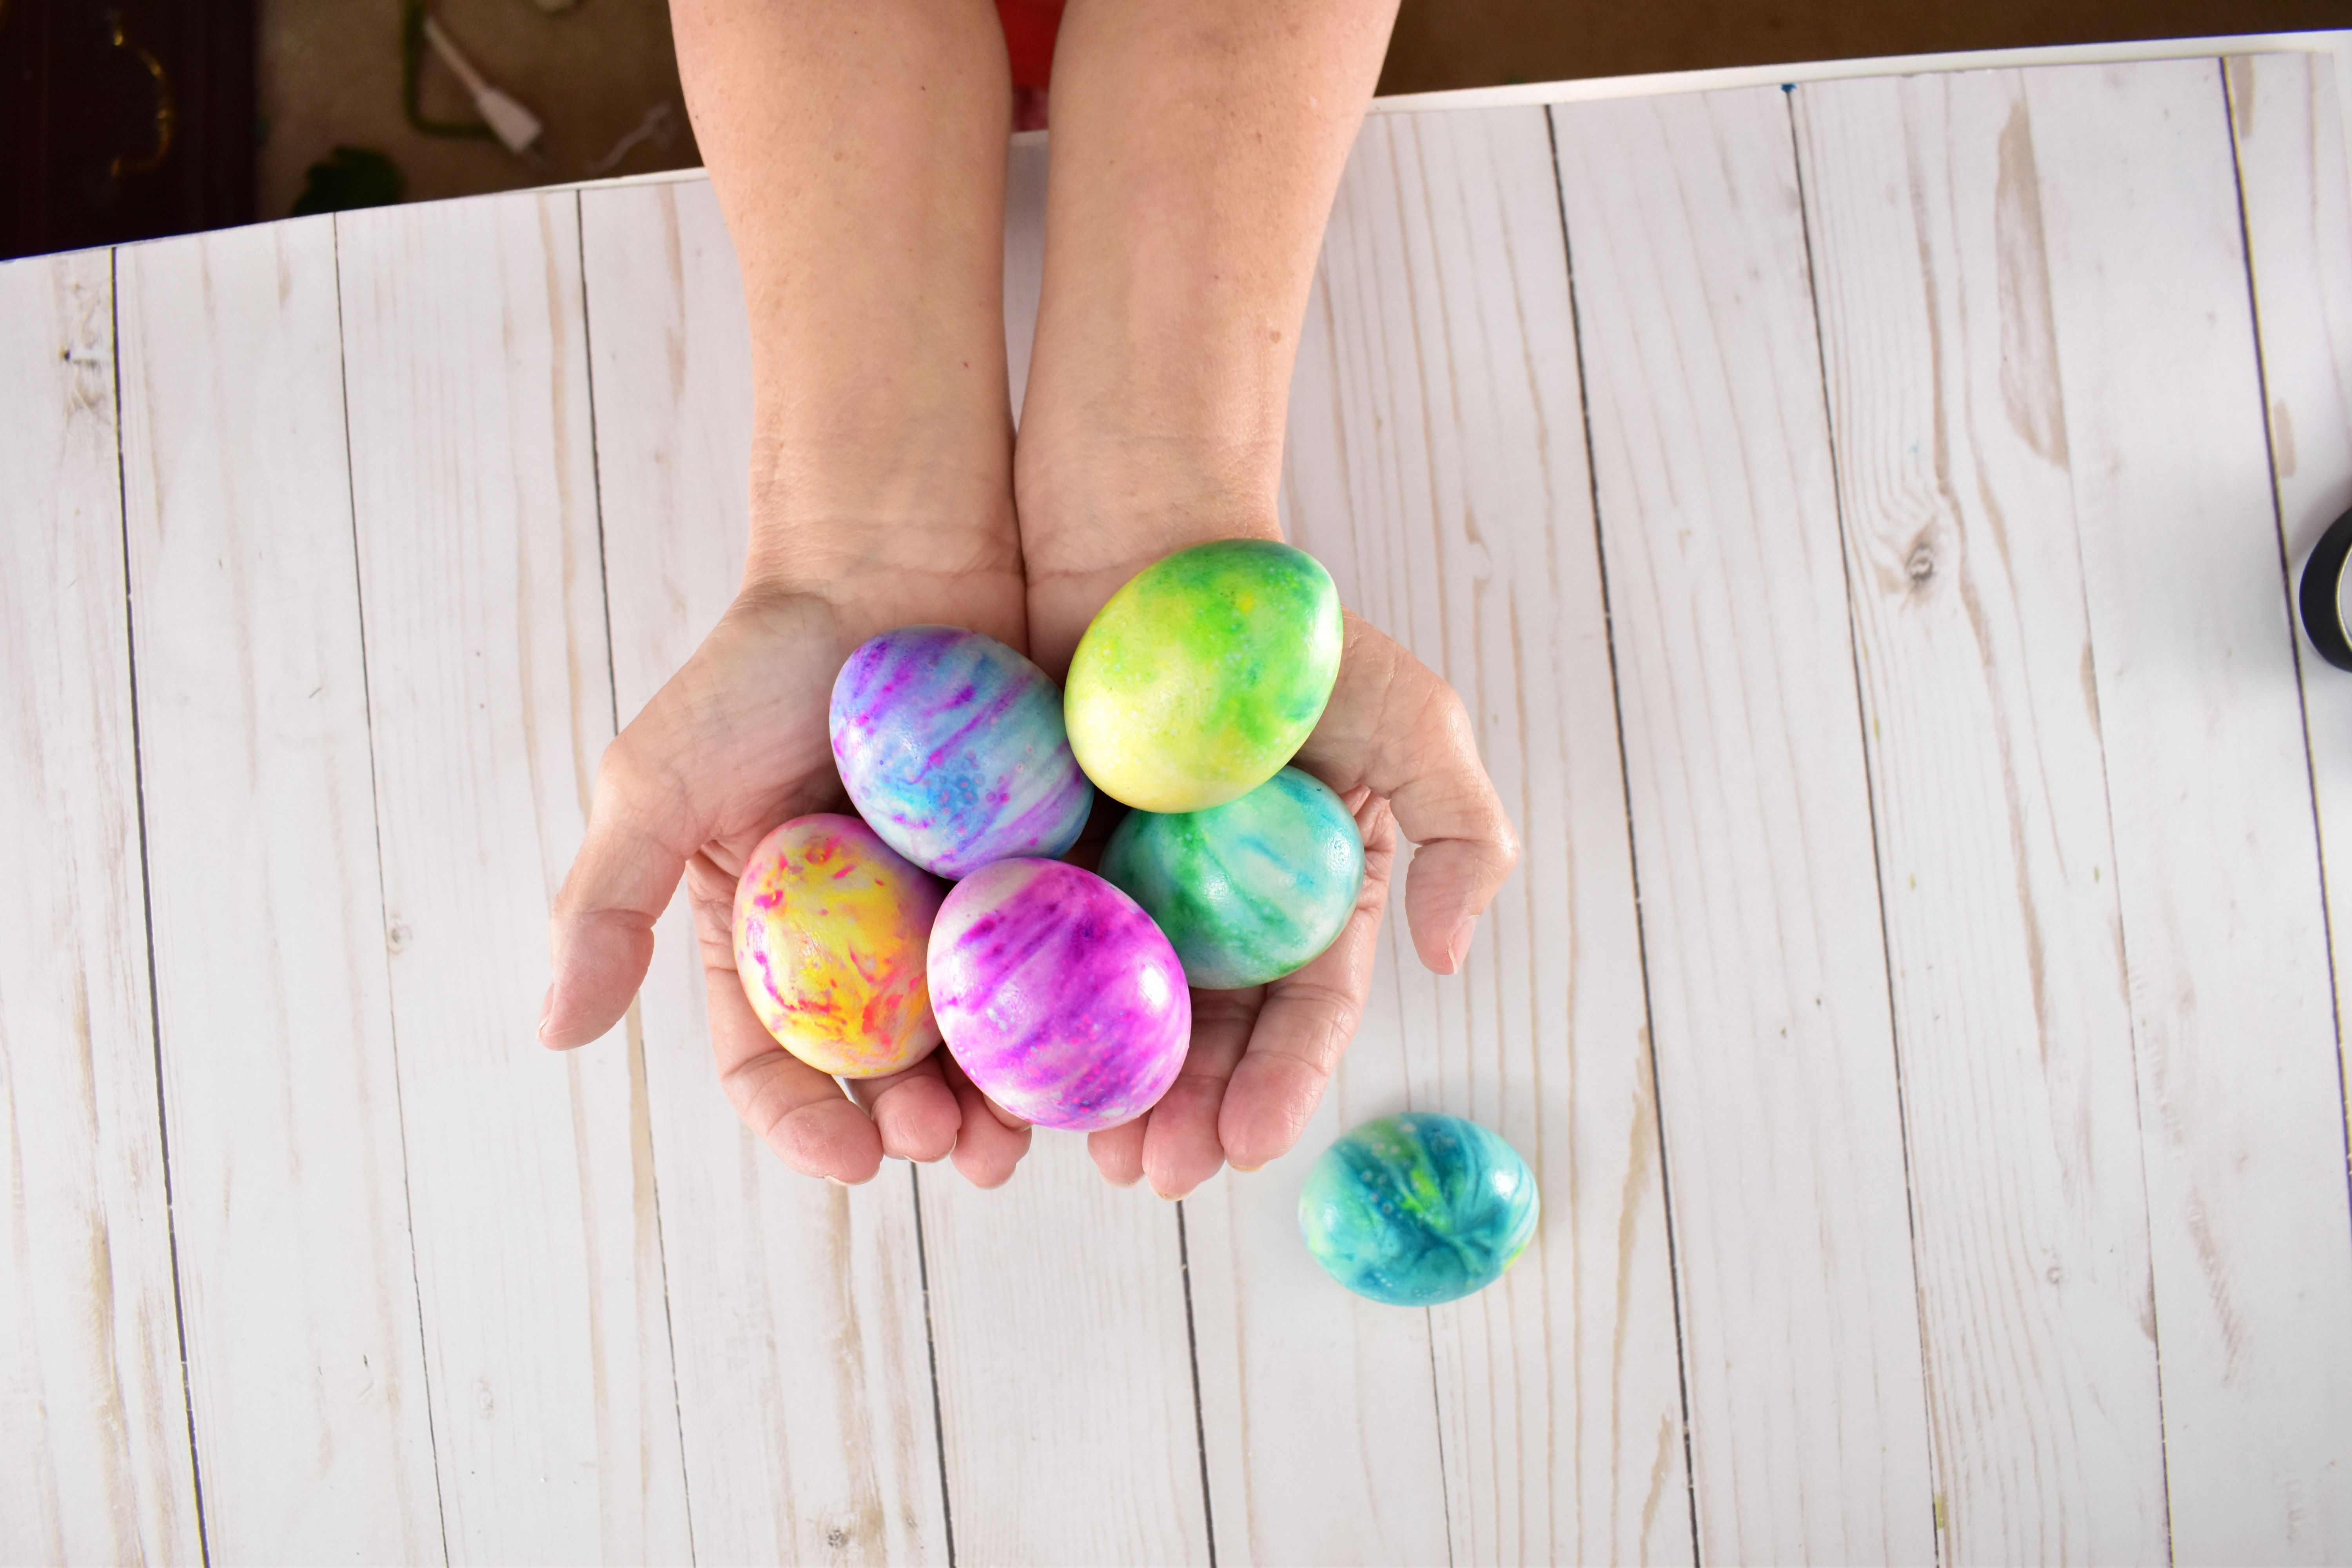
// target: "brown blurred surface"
[[1442, 43], [329, 75], [329, 69]]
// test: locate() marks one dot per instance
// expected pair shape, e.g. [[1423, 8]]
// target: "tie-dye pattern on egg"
[[1057, 995], [831, 931], [1204, 674], [1417, 1209], [952, 745], [1247, 891]]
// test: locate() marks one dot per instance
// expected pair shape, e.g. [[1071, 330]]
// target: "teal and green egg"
[[1417, 1209], [1247, 891]]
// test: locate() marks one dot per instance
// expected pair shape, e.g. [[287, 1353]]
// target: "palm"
[[1394, 741], [734, 744]]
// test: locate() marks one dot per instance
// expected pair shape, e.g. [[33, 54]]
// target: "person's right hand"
[[734, 744]]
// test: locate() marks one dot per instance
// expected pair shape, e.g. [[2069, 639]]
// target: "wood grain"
[[1058, 1303], [289, 1202], [1447, 482], [2292, 179], [804, 1391], [530, 1174], [95, 1464], [2216, 858], [1752, 830], [2013, 1017], [1066, 1388]]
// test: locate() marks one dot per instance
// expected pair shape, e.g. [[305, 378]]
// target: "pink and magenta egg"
[[1057, 995]]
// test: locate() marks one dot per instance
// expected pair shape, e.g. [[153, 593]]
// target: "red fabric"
[[1029, 29]]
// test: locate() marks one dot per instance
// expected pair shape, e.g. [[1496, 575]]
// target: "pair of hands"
[[738, 742]]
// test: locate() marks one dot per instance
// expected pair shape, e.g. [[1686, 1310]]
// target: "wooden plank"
[[2216, 856], [2013, 1018], [1318, 1408], [1752, 830], [1065, 1381], [1437, 461], [2298, 208], [804, 1391], [299, 1299], [1066, 1388], [1025, 168], [531, 1185], [95, 1464]]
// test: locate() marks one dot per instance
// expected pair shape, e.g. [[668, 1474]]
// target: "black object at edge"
[[2323, 579]]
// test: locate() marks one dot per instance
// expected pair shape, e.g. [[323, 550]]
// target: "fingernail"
[[1245, 1170], [546, 1009], [1459, 948]]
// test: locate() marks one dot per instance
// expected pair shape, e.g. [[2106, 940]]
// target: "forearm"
[[858, 151], [1195, 152]]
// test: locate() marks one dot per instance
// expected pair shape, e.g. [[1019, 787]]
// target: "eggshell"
[[1204, 674], [1057, 995], [952, 745], [1417, 1209], [832, 929], [1249, 891]]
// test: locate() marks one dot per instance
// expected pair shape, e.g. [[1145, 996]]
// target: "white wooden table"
[[1860, 517]]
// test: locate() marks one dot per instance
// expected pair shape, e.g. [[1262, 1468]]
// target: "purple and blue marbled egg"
[[1057, 995], [951, 746]]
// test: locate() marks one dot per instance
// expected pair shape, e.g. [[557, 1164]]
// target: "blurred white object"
[[510, 121], [657, 126]]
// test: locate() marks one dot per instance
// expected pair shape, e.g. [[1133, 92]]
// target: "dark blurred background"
[[127, 118]]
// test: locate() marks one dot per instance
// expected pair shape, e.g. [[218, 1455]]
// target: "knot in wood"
[[395, 935], [1921, 567]]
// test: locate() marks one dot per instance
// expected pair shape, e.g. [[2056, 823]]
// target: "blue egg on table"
[[1249, 891], [1416, 1209], [951, 747]]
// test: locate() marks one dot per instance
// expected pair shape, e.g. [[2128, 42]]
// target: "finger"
[[1393, 726], [913, 1109], [601, 928], [1119, 1150], [1306, 1020], [1180, 1147], [990, 1143], [798, 1111]]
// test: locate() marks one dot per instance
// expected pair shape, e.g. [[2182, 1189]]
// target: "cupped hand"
[[734, 744], [1398, 746]]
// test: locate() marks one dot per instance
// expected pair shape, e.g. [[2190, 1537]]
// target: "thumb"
[[1396, 728], [640, 832]]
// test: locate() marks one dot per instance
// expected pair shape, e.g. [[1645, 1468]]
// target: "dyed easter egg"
[[952, 745], [831, 931], [1057, 995], [1249, 891], [1203, 675], [1417, 1209]]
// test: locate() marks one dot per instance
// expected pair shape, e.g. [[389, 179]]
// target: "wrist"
[[1088, 523]]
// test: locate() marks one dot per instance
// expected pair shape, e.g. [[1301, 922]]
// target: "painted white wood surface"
[[297, 1292], [530, 1174], [1799, 711], [1437, 461], [2013, 1024], [1058, 1303], [95, 1464], [2287, 112], [1064, 1376], [804, 1391], [1752, 830], [2216, 856]]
